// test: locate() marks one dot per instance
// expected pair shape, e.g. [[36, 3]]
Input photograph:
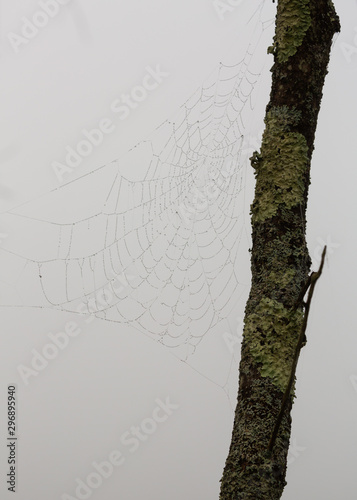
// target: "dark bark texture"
[[280, 261]]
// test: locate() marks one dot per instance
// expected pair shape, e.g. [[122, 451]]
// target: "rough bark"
[[280, 261]]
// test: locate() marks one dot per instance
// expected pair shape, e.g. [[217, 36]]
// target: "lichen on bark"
[[271, 333], [281, 165], [279, 257], [295, 20]]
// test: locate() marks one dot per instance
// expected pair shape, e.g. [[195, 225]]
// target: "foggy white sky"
[[110, 376]]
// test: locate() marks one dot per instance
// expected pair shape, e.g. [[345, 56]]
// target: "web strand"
[[161, 253]]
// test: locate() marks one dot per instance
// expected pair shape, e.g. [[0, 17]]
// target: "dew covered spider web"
[[161, 252]]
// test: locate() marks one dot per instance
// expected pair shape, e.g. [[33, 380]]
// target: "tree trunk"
[[280, 260]]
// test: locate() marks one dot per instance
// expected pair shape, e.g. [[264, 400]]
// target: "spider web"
[[161, 252]]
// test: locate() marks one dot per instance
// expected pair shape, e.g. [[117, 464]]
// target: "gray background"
[[109, 377]]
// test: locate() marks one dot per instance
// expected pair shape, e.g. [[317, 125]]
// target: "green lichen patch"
[[272, 332], [294, 20], [283, 117], [281, 166], [282, 276]]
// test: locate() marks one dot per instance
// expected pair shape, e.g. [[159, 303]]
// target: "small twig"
[[310, 285]]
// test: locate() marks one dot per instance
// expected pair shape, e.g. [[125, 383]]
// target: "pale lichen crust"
[[281, 165], [272, 333], [295, 20]]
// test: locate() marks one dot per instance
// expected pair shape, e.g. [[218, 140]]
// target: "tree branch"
[[310, 285]]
